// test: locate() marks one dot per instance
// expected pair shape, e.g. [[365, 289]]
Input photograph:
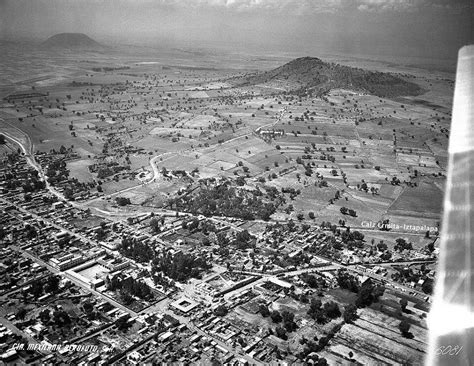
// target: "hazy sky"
[[428, 28]]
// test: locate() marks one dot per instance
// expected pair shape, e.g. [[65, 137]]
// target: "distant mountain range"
[[72, 41], [311, 75]]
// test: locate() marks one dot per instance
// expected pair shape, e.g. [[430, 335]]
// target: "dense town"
[[184, 288]]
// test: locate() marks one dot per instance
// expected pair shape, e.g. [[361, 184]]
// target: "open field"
[[427, 198]]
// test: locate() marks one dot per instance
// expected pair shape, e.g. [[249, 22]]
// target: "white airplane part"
[[451, 319]]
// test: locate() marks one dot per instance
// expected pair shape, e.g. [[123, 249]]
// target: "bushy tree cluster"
[[288, 320], [136, 249], [244, 240], [263, 310], [224, 200], [312, 281], [402, 244], [33, 184], [347, 281], [369, 293], [221, 310], [350, 313], [321, 313], [180, 267], [122, 201], [130, 286]]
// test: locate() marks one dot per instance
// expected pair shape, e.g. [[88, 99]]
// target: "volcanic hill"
[[71, 41], [310, 75]]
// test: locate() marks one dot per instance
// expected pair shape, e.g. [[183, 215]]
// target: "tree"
[[404, 327], [347, 281], [127, 298], [30, 232], [21, 313], [154, 225], [243, 236], [276, 316], [122, 323], [386, 255], [61, 318], [52, 284], [263, 309], [332, 310], [2, 139], [381, 246], [369, 293], [36, 289], [281, 333], [288, 320], [427, 286], [45, 316], [305, 227], [316, 312], [350, 313], [122, 201], [431, 247], [343, 210], [403, 304], [402, 244], [88, 307], [101, 234], [221, 310], [68, 193], [310, 280]]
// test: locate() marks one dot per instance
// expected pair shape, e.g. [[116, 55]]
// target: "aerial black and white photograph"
[[236, 182]]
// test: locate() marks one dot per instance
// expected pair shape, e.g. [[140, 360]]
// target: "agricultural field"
[[131, 122]]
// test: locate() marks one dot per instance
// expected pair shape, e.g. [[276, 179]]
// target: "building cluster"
[[102, 294]]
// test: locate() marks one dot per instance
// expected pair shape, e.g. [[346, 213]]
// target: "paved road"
[[394, 285], [365, 229], [333, 266], [404, 263], [28, 151]]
